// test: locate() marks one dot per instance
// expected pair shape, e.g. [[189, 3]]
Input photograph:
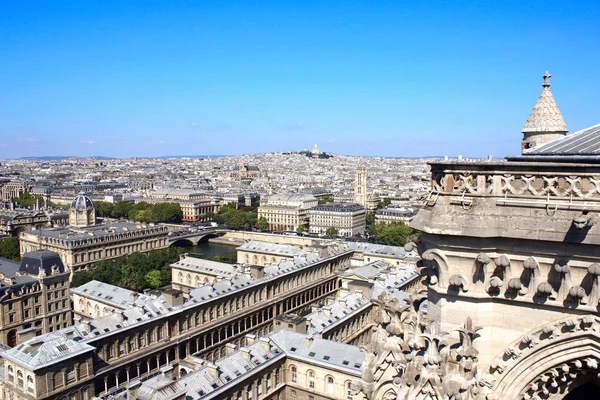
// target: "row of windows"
[[328, 387]]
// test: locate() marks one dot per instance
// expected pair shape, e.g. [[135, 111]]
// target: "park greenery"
[[331, 231], [141, 212], [28, 200], [326, 199], [9, 248], [137, 271], [237, 218], [262, 224], [395, 234]]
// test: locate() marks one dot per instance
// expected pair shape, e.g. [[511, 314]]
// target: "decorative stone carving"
[[409, 359], [459, 282]]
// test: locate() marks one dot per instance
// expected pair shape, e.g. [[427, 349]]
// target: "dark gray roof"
[[584, 142], [45, 259], [81, 202], [339, 207]]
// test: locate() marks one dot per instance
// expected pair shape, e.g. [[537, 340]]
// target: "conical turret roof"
[[545, 116]]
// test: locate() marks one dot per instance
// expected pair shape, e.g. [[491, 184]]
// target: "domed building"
[[82, 212]]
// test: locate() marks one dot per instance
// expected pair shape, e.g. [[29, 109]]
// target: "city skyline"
[[389, 80]]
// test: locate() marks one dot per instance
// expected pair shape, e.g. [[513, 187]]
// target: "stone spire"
[[545, 123]]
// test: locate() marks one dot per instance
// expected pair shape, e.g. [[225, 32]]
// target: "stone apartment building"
[[34, 297], [347, 218], [287, 212]]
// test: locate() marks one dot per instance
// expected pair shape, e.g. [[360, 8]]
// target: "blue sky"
[[397, 78]]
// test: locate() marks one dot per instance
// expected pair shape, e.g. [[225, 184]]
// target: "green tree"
[[104, 209], [370, 218], [391, 234], [9, 248], [383, 203], [331, 231], [300, 228], [326, 199], [262, 224], [153, 279]]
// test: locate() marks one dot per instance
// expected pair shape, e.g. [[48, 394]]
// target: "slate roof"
[[212, 379], [33, 261], [582, 143], [207, 267], [326, 317], [46, 350], [545, 116], [381, 250], [270, 248]]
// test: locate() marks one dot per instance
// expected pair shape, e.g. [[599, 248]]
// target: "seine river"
[[210, 249]]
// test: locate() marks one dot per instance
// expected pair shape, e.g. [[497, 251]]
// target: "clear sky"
[[398, 78]]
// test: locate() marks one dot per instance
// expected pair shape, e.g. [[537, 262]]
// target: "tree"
[[153, 279], [370, 218], [262, 224], [326, 199], [9, 248], [395, 234], [383, 203], [331, 231], [300, 228]]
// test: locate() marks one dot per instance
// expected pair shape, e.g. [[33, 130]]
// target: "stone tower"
[[360, 186], [545, 123], [82, 212]]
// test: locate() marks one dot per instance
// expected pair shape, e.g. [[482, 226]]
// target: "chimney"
[[257, 271], [265, 343], [230, 349], [309, 340], [327, 311], [250, 339], [245, 354]]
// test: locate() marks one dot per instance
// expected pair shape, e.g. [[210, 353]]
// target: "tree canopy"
[[142, 212], [331, 231], [235, 218], [9, 248], [137, 271], [326, 199], [395, 234]]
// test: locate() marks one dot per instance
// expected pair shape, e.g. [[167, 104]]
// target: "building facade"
[[34, 297], [348, 219], [287, 212]]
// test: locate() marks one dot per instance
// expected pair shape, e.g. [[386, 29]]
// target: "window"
[[330, 385], [269, 382], [293, 393], [11, 373], [348, 390], [70, 374], [29, 384], [294, 375], [311, 379], [20, 379], [259, 387]]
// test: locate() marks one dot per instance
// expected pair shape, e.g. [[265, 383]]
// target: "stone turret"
[[545, 123]]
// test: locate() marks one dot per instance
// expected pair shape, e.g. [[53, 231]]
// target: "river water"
[[210, 249]]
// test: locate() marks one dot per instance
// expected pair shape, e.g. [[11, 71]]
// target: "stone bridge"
[[193, 238]]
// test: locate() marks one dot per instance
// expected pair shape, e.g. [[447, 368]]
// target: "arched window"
[[180, 277], [294, 374], [97, 311], [29, 384], [311, 379], [197, 280], [20, 379], [330, 384], [189, 279], [348, 390], [11, 373]]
